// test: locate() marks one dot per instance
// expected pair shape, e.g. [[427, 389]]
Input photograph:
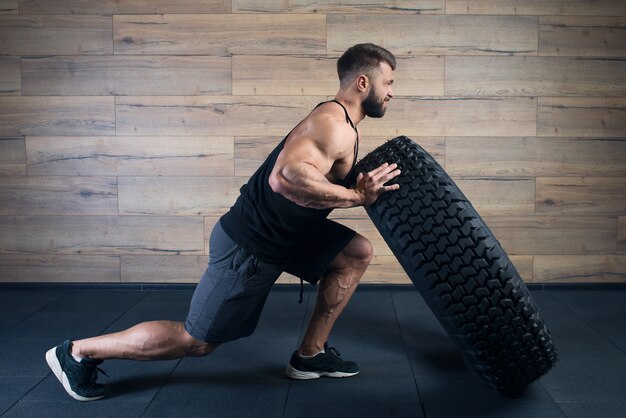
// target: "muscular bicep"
[[325, 143], [301, 156], [302, 168], [299, 173]]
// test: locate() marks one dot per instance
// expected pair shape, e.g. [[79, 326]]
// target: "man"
[[278, 223]]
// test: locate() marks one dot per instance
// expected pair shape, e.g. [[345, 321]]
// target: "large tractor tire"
[[460, 269]]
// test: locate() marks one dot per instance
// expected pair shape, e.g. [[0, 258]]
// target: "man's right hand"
[[371, 185]]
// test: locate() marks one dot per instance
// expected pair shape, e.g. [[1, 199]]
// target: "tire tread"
[[460, 269]]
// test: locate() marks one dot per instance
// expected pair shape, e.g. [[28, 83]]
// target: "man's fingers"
[[377, 170], [383, 167], [394, 173], [385, 178], [376, 178], [391, 188], [382, 171]]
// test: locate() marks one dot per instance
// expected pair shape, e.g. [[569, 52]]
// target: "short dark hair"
[[363, 58]]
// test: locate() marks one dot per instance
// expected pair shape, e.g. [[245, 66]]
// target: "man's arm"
[[301, 169]]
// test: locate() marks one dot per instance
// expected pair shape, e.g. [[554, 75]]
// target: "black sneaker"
[[78, 378], [327, 364]]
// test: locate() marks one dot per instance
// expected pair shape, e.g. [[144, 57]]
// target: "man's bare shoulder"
[[329, 128]]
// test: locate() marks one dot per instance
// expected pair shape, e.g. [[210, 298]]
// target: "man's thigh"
[[230, 296]]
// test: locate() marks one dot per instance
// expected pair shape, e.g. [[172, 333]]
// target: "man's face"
[[375, 104]]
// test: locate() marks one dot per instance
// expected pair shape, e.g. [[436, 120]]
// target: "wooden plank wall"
[[128, 126]]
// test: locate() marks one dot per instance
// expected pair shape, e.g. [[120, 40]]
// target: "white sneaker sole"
[[293, 373], [55, 366]]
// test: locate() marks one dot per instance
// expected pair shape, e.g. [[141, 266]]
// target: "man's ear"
[[362, 82]]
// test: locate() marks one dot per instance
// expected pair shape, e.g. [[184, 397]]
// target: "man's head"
[[369, 69]]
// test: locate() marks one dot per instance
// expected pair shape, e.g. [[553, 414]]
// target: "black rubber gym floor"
[[409, 366]]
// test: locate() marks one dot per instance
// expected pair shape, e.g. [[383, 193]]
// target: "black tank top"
[[266, 223]]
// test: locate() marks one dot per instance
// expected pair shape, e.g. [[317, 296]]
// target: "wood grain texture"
[[621, 235], [500, 197], [130, 156], [536, 7], [226, 34], [250, 151], [106, 235], [317, 75], [581, 196], [357, 213], [530, 157], [419, 76], [344, 6], [162, 269], [205, 196], [436, 116], [284, 75], [60, 268], [52, 115], [208, 115], [12, 157], [55, 35], [436, 35], [581, 117], [34, 195], [579, 268], [125, 75], [8, 7], [286, 278], [10, 78], [534, 76], [385, 269], [90, 7], [583, 36], [547, 235], [127, 127], [524, 266]]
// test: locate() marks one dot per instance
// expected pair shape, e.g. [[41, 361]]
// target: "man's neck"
[[352, 105]]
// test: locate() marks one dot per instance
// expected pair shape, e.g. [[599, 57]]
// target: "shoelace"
[[94, 374], [333, 350]]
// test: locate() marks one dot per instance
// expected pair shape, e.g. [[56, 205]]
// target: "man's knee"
[[352, 261], [197, 348], [361, 251]]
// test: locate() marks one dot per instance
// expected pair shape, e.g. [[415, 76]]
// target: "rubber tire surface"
[[460, 269]]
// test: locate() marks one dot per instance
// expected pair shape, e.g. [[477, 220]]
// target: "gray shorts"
[[230, 296]]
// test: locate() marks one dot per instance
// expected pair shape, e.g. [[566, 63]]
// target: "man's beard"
[[372, 107]]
